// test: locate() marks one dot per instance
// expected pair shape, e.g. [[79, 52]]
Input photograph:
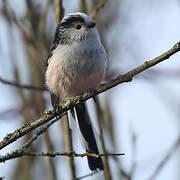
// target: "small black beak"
[[91, 24]]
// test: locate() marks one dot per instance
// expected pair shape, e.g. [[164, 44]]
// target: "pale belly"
[[66, 86], [76, 68], [67, 79], [83, 84]]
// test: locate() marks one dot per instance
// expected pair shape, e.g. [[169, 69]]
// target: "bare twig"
[[125, 175], [100, 117], [68, 143], [134, 139], [71, 154], [59, 11], [87, 175], [21, 153], [23, 86], [52, 165], [99, 6], [163, 162], [83, 6], [72, 102], [38, 133], [9, 138]]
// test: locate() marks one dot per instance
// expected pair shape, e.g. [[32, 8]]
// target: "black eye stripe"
[[67, 22]]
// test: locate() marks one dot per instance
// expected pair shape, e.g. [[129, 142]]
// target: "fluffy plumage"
[[77, 63]]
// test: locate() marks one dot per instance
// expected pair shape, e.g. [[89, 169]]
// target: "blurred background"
[[140, 118]]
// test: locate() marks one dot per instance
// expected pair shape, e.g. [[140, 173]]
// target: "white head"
[[74, 27]]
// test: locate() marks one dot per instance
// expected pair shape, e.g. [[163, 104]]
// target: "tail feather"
[[89, 140]]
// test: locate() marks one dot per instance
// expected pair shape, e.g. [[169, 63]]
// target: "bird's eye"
[[78, 26]]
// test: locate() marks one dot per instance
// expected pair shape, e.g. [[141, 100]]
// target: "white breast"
[[77, 67]]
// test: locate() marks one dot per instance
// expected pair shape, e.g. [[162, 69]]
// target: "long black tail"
[[88, 137]]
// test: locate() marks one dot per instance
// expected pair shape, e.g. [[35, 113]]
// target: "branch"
[[20, 152], [17, 154], [59, 11], [11, 137], [99, 6], [72, 102], [72, 154], [23, 86]]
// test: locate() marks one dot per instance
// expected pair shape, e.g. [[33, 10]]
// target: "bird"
[[77, 63]]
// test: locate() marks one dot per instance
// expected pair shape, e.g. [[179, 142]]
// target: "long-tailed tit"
[[77, 64]]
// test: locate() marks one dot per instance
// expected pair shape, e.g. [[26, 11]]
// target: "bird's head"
[[75, 27]]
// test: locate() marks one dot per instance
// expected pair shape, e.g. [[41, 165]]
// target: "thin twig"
[[87, 175], [72, 102], [20, 152], [52, 164], [83, 6], [99, 6], [68, 143], [163, 162], [59, 11], [100, 117], [38, 133], [23, 86], [72, 154], [9, 138], [134, 139]]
